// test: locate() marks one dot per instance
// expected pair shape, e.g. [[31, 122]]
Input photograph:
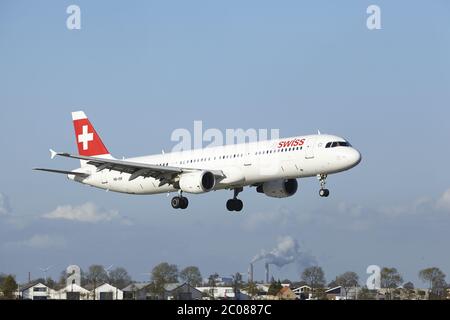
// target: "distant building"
[[107, 292], [302, 292], [35, 291], [224, 282], [181, 291], [137, 291], [72, 292], [262, 290], [218, 293], [338, 293], [286, 294], [172, 291]]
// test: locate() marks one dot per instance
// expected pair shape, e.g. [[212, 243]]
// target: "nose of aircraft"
[[354, 157]]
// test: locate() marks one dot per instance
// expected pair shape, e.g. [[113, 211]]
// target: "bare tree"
[[96, 274], [252, 289], [347, 281], [390, 279], [119, 277], [212, 283], [192, 276], [314, 277], [436, 279], [162, 275], [237, 284]]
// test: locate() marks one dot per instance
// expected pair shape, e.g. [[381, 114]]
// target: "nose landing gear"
[[323, 192]]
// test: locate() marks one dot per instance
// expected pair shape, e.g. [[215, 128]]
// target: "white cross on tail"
[[85, 137]]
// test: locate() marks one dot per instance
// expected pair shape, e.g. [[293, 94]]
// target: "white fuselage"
[[242, 164]]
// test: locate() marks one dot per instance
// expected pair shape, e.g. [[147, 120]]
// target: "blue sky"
[[144, 69]]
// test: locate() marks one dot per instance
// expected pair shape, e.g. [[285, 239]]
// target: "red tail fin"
[[88, 141]]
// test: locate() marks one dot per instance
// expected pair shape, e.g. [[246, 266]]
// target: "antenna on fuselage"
[[318, 132]]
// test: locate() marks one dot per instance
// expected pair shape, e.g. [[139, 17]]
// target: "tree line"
[[390, 278], [313, 277]]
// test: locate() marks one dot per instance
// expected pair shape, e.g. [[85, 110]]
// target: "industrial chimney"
[[267, 272], [250, 273]]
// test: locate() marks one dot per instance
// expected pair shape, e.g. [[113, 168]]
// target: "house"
[[107, 292], [335, 293], [71, 292], [244, 295], [36, 291], [223, 293], [136, 291], [339, 293], [218, 293], [224, 281], [178, 291], [302, 292], [286, 294], [172, 291], [261, 292]]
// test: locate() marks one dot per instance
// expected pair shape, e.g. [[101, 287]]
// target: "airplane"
[[271, 166]]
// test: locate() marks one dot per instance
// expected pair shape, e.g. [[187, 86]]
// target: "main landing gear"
[[235, 204], [324, 193], [179, 202]]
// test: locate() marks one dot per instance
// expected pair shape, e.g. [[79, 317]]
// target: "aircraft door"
[[309, 148]]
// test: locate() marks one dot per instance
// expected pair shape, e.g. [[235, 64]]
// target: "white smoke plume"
[[286, 252], [5, 207]]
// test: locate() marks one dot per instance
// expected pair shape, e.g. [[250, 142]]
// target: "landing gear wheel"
[[324, 193], [239, 205], [230, 205], [235, 205], [184, 203], [179, 202], [176, 202]]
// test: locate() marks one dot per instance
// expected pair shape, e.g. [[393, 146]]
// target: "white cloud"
[[421, 206], [444, 201], [40, 241], [87, 212], [5, 208], [416, 207]]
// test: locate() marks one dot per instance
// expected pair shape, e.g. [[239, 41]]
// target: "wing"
[[79, 174], [164, 174]]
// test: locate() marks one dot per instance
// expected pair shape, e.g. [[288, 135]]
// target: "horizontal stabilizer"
[[53, 154], [79, 174]]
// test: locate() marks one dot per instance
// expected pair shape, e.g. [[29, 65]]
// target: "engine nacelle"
[[197, 182], [279, 188]]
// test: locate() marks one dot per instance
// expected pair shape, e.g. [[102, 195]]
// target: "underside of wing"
[[165, 174]]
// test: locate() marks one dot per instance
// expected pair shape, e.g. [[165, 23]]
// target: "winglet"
[[53, 154]]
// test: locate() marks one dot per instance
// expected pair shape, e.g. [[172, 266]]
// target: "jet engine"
[[197, 182], [281, 188]]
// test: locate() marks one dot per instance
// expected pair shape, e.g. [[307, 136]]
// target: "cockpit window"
[[335, 144]]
